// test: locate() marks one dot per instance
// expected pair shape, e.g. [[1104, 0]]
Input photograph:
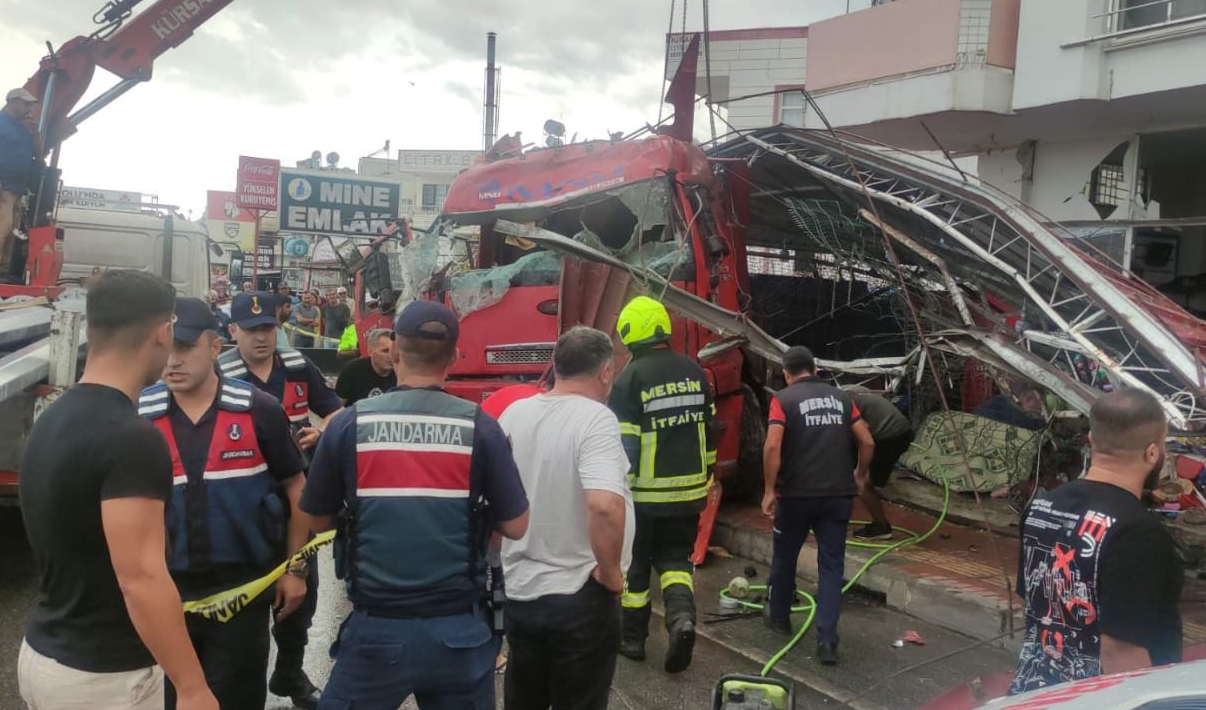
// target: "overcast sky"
[[282, 79]]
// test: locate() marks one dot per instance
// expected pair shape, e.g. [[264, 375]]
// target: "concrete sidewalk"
[[868, 658], [960, 579]]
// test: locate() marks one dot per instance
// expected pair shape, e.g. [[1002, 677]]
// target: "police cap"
[[193, 317], [253, 308]]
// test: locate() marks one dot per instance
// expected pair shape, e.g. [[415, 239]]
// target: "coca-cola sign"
[[258, 183]]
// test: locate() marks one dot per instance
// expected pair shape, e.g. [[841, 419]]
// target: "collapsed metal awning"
[[737, 331], [965, 246]]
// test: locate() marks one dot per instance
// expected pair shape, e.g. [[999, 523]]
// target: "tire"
[[747, 484]]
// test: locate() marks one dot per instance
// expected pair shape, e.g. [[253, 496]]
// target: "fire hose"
[[809, 603]]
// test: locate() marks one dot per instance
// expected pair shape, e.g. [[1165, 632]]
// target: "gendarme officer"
[[421, 479], [289, 376], [236, 475]]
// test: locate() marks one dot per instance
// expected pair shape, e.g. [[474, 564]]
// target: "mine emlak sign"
[[315, 202]]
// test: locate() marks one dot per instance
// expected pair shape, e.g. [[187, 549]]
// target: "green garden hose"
[[809, 603]]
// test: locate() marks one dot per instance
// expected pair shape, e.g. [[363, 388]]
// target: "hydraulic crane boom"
[[123, 44]]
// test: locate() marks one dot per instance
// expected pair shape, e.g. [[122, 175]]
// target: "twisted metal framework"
[[966, 243]]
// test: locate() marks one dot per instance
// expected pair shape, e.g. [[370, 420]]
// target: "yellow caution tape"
[[289, 327], [222, 606]]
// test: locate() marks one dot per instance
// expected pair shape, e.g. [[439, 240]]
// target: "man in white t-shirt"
[[565, 576]]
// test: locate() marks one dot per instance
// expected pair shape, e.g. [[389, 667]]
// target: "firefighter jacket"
[[232, 512], [666, 420], [413, 542], [297, 386]]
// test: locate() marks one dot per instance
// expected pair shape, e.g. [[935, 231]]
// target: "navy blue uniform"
[[301, 389], [420, 478], [226, 524], [816, 490]]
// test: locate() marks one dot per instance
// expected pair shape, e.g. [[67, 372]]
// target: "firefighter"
[[237, 474], [665, 410], [289, 376]]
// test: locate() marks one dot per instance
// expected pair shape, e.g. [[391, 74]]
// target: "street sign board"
[[317, 202], [258, 183]]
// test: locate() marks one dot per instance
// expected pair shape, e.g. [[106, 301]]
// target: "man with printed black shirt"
[[289, 376], [811, 481], [1100, 574], [237, 474], [107, 624], [368, 376]]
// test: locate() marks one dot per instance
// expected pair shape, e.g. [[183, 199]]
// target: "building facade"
[[1093, 112], [424, 176]]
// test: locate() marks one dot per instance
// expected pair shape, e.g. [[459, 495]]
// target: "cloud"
[[264, 46], [279, 78]]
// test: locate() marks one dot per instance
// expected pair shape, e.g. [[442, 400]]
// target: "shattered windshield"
[[632, 223]]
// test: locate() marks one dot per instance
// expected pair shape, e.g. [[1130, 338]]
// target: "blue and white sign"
[[297, 247], [316, 202]]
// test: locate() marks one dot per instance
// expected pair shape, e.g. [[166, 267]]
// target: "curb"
[[942, 601]]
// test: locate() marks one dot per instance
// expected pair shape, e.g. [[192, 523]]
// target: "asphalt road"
[[733, 646]]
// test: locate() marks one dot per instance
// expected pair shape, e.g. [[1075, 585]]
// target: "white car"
[[1177, 687]]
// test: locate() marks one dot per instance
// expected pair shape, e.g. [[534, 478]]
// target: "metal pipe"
[[490, 122], [1174, 353], [47, 98], [169, 245], [27, 367], [1118, 34], [24, 324], [102, 101]]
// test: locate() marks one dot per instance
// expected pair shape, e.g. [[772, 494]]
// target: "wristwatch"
[[298, 569]]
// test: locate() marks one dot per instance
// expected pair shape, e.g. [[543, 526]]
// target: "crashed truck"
[[896, 270]]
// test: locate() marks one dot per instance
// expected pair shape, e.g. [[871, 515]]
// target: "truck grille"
[[526, 355]]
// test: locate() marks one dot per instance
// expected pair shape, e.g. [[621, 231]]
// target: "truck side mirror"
[[236, 268]]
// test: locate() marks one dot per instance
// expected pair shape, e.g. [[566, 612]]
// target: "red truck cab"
[[659, 204]]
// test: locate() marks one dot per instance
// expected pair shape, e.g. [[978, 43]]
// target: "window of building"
[[791, 109], [1107, 186], [1149, 13], [433, 197]]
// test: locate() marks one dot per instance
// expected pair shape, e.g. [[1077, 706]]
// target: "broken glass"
[[474, 290], [410, 269], [648, 202]]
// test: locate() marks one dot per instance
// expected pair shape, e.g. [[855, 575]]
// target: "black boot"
[[779, 626], [635, 625], [827, 653], [680, 624], [290, 681], [682, 644], [633, 649]]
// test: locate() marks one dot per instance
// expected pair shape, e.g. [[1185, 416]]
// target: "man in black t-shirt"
[[94, 481], [811, 480], [237, 474], [368, 376], [1100, 575]]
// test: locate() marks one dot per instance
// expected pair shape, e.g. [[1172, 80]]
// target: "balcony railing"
[[1136, 14]]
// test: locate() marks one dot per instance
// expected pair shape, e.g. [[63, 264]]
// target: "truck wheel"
[[747, 484]]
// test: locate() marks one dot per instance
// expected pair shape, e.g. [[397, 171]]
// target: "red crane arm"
[[124, 45]]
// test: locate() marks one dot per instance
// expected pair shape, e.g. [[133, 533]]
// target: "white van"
[[125, 240]]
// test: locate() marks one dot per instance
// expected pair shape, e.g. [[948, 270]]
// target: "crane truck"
[[33, 366]]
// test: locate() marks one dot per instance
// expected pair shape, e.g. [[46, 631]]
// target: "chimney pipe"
[[490, 122]]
